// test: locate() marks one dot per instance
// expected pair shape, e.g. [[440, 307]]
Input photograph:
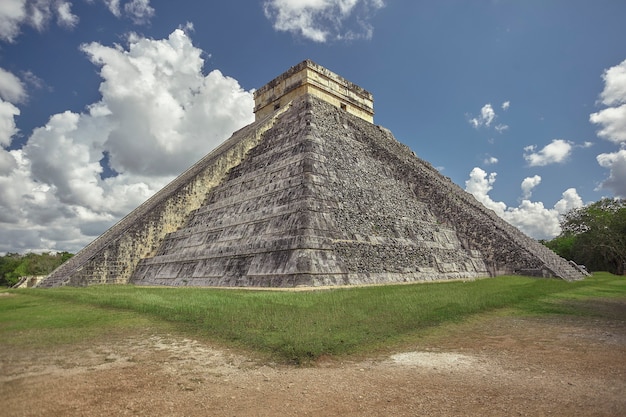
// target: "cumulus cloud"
[[158, 96], [38, 13], [187, 27], [7, 122], [479, 185], [114, 7], [501, 128], [614, 92], [616, 164], [65, 17], [569, 200], [323, 20], [487, 117], [159, 112], [34, 13], [556, 151], [490, 160], [487, 114], [12, 14], [528, 184], [532, 218], [612, 120], [139, 11], [11, 91], [11, 88]]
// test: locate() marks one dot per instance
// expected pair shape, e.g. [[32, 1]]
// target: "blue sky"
[[102, 102]]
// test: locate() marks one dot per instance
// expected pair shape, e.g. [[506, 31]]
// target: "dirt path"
[[492, 366]]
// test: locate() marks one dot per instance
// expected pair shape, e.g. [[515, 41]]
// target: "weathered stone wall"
[[327, 198], [504, 249], [385, 234], [29, 281], [259, 227], [311, 196], [310, 78], [113, 257]]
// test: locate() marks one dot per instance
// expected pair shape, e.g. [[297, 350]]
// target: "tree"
[[13, 266], [562, 245], [8, 264], [595, 236]]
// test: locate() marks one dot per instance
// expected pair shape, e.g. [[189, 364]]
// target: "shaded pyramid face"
[[316, 203], [329, 199], [320, 197]]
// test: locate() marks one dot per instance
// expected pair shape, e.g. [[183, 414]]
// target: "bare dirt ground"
[[490, 366]]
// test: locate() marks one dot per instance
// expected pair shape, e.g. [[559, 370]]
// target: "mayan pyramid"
[[312, 193]]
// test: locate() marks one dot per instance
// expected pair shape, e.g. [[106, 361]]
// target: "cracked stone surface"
[[309, 196]]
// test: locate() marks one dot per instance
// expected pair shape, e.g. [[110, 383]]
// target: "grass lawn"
[[290, 326]]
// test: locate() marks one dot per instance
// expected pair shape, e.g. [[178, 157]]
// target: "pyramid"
[[310, 194]]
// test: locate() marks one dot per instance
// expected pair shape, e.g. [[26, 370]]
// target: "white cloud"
[[114, 7], [158, 114], [11, 88], [570, 200], [152, 105], [528, 184], [139, 11], [616, 163], [532, 218], [479, 185], [612, 120], [38, 13], [556, 151], [614, 92], [323, 20], [7, 162], [613, 128], [11, 91], [65, 16], [7, 122], [487, 115], [501, 128], [490, 160], [34, 13], [12, 14], [187, 27], [64, 157]]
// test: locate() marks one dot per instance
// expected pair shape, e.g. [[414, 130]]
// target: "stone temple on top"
[[309, 78], [311, 193]]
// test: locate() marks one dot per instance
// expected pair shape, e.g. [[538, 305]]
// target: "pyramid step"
[[308, 195]]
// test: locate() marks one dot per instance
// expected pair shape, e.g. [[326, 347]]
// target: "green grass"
[[28, 321], [294, 326]]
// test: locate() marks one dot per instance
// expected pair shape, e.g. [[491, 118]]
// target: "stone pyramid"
[[312, 193]]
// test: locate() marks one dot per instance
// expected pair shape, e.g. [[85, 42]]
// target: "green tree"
[[13, 266], [562, 245], [8, 264], [595, 236]]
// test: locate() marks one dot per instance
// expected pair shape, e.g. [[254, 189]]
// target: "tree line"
[[13, 266], [594, 236]]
